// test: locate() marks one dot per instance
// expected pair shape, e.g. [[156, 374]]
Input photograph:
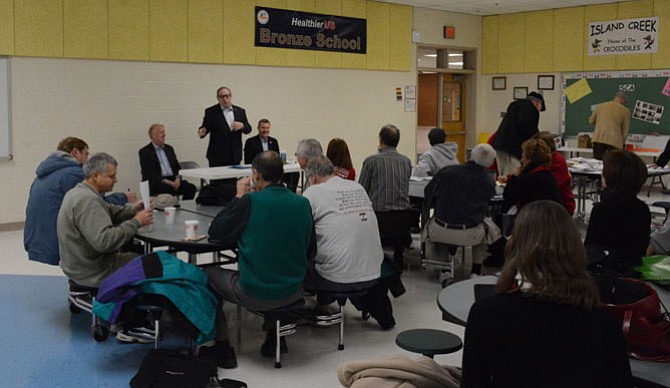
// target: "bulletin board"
[[646, 91]]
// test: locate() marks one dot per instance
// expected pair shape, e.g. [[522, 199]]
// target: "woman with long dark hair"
[[543, 327], [338, 153]]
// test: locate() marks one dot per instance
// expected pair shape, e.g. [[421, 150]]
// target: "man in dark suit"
[[160, 166], [261, 142], [225, 123]]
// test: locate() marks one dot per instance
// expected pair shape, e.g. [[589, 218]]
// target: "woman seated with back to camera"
[[543, 327], [559, 168], [338, 153], [620, 222], [533, 180]]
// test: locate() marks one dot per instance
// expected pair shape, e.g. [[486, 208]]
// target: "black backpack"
[[216, 195], [169, 368], [163, 368]]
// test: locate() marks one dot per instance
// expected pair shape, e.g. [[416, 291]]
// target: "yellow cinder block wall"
[[556, 41], [193, 31]]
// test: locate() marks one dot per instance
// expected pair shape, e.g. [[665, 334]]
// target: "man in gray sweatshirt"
[[91, 231]]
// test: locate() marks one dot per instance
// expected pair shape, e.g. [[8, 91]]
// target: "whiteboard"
[[5, 128]]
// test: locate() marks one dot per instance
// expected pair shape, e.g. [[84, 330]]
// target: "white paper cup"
[[191, 228], [169, 214]]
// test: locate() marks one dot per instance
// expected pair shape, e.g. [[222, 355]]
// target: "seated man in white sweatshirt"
[[349, 251]]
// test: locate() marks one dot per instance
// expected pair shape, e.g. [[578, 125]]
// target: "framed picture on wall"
[[545, 82], [499, 83], [520, 92]]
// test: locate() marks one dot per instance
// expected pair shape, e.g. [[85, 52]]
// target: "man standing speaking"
[[612, 120], [225, 123]]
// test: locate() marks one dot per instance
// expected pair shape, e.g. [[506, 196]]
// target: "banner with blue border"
[[282, 28]]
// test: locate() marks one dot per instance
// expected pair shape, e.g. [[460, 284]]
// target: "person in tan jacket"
[[612, 120]]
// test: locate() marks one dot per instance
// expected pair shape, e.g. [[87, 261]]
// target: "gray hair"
[[320, 167], [98, 164], [483, 155], [309, 149]]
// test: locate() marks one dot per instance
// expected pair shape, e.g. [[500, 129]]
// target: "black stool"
[[429, 342], [80, 298], [327, 297], [283, 320]]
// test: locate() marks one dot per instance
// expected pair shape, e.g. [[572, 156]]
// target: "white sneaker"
[[129, 337]]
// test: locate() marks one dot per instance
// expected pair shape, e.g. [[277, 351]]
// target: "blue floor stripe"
[[44, 345]]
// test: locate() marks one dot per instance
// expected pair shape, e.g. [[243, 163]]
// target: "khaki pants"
[[436, 237], [507, 163]]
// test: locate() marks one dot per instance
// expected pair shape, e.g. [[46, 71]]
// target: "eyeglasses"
[[224, 95]]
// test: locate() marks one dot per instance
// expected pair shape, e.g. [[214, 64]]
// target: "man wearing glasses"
[[225, 123]]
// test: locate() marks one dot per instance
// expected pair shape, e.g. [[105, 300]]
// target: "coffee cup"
[[191, 228], [169, 214]]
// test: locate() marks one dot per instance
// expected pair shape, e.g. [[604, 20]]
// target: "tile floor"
[[44, 345]]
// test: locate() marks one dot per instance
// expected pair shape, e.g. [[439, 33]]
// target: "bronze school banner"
[[309, 31]]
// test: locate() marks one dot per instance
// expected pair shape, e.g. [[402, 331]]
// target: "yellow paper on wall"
[[577, 90]]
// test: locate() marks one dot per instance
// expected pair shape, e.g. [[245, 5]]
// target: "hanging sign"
[[309, 31], [629, 36]]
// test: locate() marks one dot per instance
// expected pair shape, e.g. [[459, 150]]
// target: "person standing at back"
[[225, 123], [519, 124], [612, 121]]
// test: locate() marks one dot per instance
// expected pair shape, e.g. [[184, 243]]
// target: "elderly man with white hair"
[[460, 195]]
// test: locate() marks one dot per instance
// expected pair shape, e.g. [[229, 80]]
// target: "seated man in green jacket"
[[273, 229]]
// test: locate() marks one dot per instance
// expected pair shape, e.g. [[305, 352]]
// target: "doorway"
[[441, 103]]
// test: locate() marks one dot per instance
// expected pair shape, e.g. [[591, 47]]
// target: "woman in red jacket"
[[559, 168]]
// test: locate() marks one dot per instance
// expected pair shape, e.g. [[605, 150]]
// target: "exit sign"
[[449, 32]]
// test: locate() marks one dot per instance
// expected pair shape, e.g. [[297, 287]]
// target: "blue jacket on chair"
[[161, 273]]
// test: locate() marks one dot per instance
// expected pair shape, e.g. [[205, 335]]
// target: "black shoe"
[[270, 345], [222, 353]]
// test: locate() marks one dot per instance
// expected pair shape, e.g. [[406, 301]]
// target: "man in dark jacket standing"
[[519, 124], [225, 123]]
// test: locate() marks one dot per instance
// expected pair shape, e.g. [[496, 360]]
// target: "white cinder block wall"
[[110, 104]]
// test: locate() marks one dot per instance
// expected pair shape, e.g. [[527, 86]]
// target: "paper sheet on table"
[[577, 90], [144, 192]]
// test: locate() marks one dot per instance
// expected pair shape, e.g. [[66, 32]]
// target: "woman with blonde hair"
[[543, 327], [533, 180], [338, 153]]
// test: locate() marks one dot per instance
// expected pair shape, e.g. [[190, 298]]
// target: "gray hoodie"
[[438, 156]]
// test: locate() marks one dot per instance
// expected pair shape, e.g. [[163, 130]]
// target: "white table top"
[[584, 166], [227, 172], [590, 151]]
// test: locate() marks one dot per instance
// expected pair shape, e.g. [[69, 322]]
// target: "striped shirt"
[[385, 177]]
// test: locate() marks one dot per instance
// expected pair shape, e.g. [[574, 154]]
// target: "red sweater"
[[563, 180]]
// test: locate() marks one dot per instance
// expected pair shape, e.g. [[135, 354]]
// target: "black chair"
[[663, 205], [327, 297], [189, 164]]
